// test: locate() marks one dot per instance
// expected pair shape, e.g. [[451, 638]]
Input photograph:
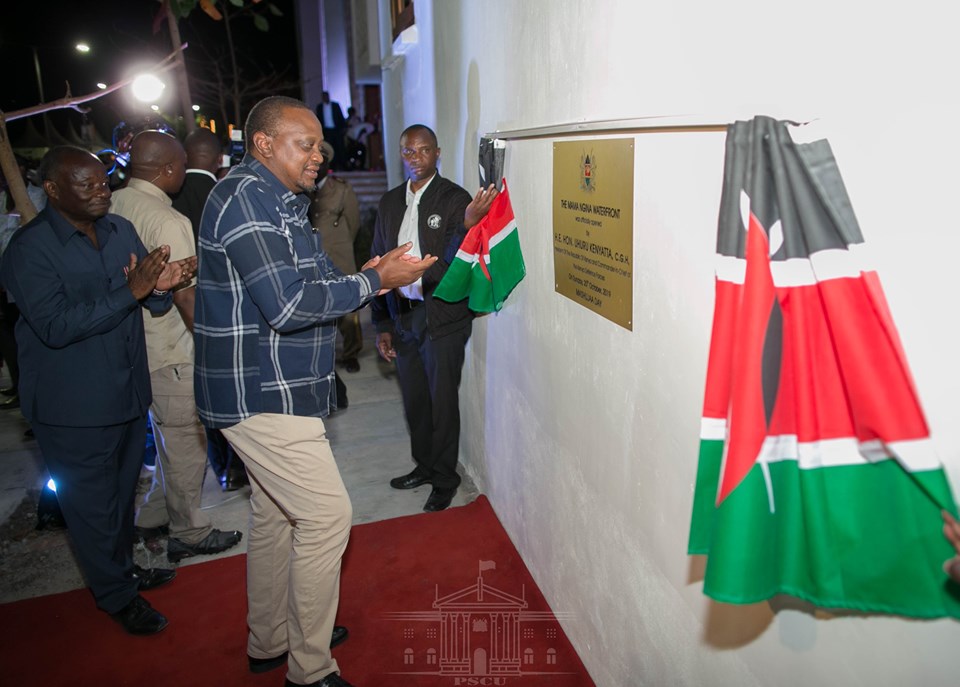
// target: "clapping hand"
[[177, 274], [155, 272], [399, 268]]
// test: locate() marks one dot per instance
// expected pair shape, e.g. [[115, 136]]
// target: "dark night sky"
[[120, 33]]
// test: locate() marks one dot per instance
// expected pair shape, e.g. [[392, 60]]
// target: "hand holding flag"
[[489, 263], [479, 206]]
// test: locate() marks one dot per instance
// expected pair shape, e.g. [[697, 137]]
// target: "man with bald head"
[[268, 298], [157, 168], [204, 157], [79, 277]]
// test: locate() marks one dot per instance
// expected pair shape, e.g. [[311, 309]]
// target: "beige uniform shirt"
[[169, 342]]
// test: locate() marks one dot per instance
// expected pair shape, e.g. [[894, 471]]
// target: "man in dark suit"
[[427, 336], [204, 158], [334, 128], [80, 276]]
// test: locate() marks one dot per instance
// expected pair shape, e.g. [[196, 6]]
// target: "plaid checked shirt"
[[267, 300]]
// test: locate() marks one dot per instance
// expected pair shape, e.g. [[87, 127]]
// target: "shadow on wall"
[[732, 626], [471, 139], [473, 404]]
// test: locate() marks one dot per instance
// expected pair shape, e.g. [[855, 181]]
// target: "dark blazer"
[[339, 121], [441, 211], [83, 360], [192, 197]]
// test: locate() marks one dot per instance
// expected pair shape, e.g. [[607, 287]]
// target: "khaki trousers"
[[174, 496], [300, 517], [351, 335]]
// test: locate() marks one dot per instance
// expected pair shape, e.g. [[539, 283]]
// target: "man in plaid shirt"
[[268, 297]]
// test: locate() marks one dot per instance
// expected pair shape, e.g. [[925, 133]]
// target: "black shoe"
[[410, 481], [339, 635], [151, 578], [139, 618], [10, 403], [439, 499], [233, 480], [263, 665], [215, 542], [9, 391], [351, 365], [331, 680]]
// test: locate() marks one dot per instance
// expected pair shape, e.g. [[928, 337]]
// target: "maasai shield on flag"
[[489, 263], [817, 477]]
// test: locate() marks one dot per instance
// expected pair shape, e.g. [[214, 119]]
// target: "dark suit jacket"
[[83, 360], [192, 197], [441, 211], [339, 121]]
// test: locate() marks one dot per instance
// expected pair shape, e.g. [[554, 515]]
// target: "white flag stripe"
[[918, 454], [503, 233], [821, 266], [713, 428], [466, 257], [914, 455], [494, 240]]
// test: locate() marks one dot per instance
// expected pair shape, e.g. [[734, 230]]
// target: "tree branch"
[[72, 102], [8, 161]]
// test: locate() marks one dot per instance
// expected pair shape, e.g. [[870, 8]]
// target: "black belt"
[[406, 305]]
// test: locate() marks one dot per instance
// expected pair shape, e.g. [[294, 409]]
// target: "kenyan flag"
[[489, 263], [817, 477]]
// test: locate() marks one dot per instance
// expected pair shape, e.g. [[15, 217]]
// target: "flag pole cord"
[[640, 125]]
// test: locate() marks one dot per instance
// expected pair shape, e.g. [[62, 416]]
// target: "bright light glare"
[[147, 88], [83, 47], [155, 108], [196, 108], [51, 485], [102, 86]]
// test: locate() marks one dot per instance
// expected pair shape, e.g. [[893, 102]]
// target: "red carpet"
[[393, 573]]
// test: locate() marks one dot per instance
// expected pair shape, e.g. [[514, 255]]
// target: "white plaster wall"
[[585, 435], [336, 53], [366, 41], [409, 86], [324, 51]]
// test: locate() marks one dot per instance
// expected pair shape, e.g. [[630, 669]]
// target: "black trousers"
[[221, 456], [336, 138], [429, 371], [9, 314], [96, 471]]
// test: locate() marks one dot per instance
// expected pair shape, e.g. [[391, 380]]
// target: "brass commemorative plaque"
[[593, 225]]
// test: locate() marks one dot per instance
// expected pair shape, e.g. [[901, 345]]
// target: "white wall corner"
[[406, 41]]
